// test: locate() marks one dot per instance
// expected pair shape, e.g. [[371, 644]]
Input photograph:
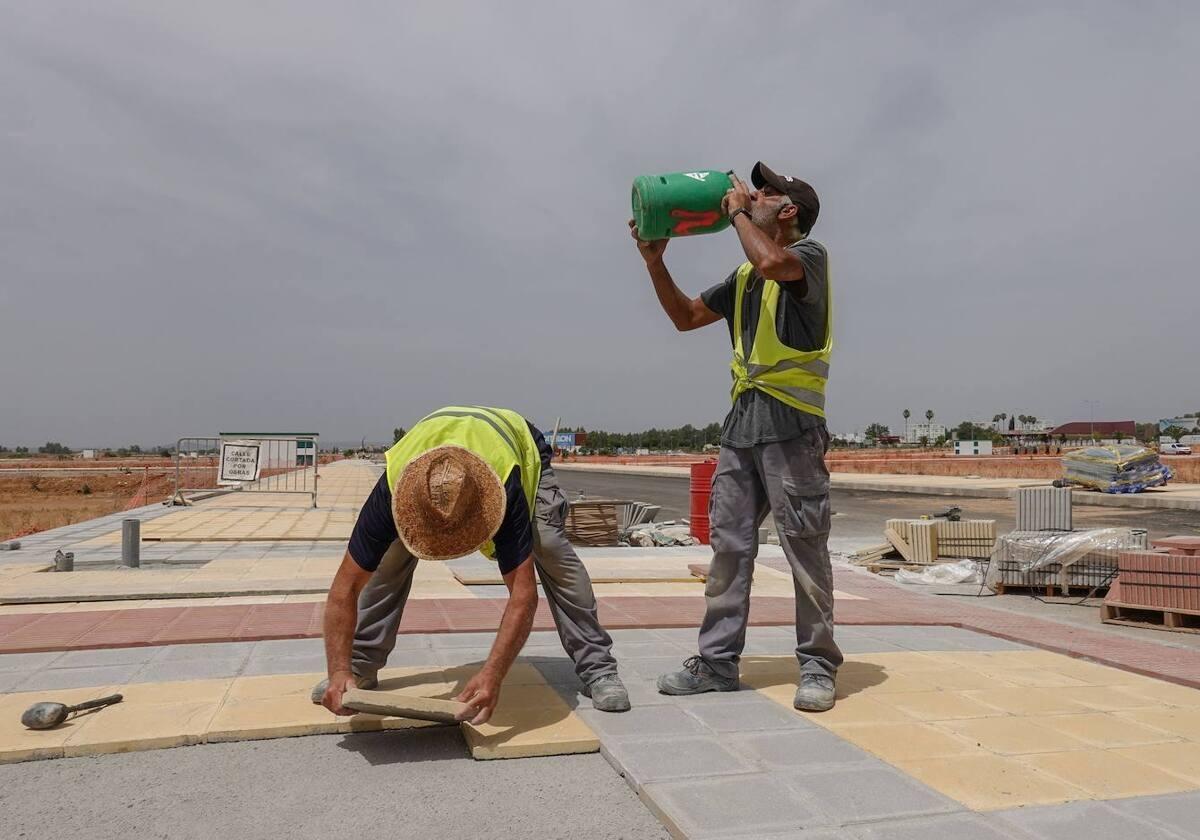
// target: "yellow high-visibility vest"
[[794, 377], [499, 436]]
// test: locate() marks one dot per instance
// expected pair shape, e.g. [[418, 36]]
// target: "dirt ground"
[[32, 503]]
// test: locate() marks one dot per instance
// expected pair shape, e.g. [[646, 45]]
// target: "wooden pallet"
[[1132, 615]]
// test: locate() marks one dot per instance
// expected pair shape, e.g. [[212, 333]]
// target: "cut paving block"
[[986, 782], [1105, 774], [400, 704]]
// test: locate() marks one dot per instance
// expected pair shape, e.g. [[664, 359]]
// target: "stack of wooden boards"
[[923, 542]]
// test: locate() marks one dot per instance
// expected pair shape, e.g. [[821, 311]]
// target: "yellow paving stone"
[[907, 662], [1182, 722], [191, 691], [894, 742], [895, 682], [20, 744], [853, 710], [965, 679], [1161, 692], [1179, 758], [1103, 730], [1013, 735], [279, 685], [521, 733], [1028, 701], [1104, 698], [1105, 774], [274, 717], [127, 727], [986, 782], [938, 705], [1040, 678]]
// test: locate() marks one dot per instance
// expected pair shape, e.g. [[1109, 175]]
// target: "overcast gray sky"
[[337, 217]]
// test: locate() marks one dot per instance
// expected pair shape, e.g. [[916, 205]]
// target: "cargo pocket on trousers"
[[551, 505], [808, 513]]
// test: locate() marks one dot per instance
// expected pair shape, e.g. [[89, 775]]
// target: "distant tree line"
[[685, 438]]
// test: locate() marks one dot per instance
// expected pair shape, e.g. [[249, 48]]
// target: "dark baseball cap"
[[800, 192]]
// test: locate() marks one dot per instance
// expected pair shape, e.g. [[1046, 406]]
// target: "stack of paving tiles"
[[1043, 509], [967, 538], [1160, 587]]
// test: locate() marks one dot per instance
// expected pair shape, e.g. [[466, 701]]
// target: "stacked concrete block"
[[1043, 509], [1160, 581], [969, 538]]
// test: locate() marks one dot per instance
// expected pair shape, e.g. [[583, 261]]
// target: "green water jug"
[[680, 203]]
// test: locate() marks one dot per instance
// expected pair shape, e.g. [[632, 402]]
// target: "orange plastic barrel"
[[702, 478]]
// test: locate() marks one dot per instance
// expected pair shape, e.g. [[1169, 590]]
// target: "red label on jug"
[[694, 219]]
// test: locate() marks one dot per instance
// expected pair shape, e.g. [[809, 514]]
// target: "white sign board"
[[240, 461]]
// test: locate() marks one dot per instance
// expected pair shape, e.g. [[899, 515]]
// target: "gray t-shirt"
[[757, 417]]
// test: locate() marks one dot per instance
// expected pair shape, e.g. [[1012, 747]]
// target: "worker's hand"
[[339, 684], [481, 695], [737, 198], [651, 251]]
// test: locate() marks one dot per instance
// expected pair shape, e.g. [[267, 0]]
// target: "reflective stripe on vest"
[[498, 436], [794, 377]]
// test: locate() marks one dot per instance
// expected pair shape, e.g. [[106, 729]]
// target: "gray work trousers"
[[565, 584], [790, 480]]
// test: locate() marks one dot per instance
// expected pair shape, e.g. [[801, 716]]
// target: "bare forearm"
[[341, 617], [674, 302], [514, 631]]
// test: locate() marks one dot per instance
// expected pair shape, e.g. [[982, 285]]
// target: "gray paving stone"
[[557, 671], [642, 722], [859, 794], [751, 805], [456, 656], [109, 656], [744, 711], [315, 664], [797, 748], [654, 666], [659, 760], [1118, 820], [52, 678], [412, 658], [866, 644], [191, 669], [638, 635], [9, 680], [287, 647], [412, 641], [27, 661], [951, 827], [218, 650], [652, 649], [462, 640]]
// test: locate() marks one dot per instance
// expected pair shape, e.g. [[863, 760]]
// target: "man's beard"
[[765, 217]]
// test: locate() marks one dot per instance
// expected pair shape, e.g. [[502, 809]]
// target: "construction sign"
[[240, 461]]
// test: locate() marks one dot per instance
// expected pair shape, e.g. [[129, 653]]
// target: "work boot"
[[608, 694], [318, 692], [815, 693], [695, 678]]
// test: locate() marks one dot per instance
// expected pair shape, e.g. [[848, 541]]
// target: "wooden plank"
[[1176, 621], [899, 544]]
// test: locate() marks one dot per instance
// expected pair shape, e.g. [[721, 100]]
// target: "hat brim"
[[762, 175], [429, 540]]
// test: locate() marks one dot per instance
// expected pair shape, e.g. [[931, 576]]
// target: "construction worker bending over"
[[465, 478]]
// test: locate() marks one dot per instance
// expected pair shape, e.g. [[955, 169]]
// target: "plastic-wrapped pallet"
[[1115, 469], [1062, 560]]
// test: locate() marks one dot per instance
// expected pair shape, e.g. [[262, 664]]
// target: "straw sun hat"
[[447, 503]]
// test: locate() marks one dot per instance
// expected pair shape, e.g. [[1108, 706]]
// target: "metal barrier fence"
[[287, 463]]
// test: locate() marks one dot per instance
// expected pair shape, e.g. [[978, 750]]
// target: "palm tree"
[[929, 415], [907, 414]]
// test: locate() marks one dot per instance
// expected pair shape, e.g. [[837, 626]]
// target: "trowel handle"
[[97, 703]]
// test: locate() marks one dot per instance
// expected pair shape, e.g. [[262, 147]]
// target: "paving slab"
[[750, 805], [950, 827], [643, 761], [1081, 821], [1180, 814], [842, 796]]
